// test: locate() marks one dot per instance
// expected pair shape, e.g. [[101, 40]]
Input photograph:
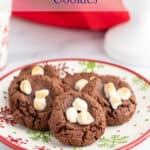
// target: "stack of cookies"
[[76, 108]]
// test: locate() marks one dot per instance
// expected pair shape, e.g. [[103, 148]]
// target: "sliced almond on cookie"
[[80, 104], [80, 84], [109, 89], [25, 87], [84, 118], [39, 104], [71, 114], [124, 93], [37, 70], [42, 93]]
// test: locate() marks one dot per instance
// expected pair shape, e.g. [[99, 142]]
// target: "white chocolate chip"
[[124, 93], [39, 104], [25, 87], [84, 118], [115, 101], [80, 104], [42, 93], [109, 89], [37, 70], [92, 78], [71, 114], [40, 99], [80, 84]]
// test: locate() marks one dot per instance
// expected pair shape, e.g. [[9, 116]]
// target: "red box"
[[98, 20]]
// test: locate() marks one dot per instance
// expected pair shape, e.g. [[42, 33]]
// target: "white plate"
[[124, 136]]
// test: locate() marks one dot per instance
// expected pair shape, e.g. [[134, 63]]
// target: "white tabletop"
[[31, 42]]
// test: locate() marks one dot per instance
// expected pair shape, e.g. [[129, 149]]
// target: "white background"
[[31, 42]]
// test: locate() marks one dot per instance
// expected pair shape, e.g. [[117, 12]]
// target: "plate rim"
[[127, 146]]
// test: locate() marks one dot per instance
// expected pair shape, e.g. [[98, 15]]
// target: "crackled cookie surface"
[[48, 70], [77, 119], [31, 99], [78, 81], [116, 97]]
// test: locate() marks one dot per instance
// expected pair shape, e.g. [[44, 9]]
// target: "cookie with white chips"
[[78, 81], [31, 98], [77, 119], [116, 97], [33, 70]]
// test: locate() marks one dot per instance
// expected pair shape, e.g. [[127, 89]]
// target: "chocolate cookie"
[[78, 80], [48, 70], [31, 99], [116, 97], [77, 119]]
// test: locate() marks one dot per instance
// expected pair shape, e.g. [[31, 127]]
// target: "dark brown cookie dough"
[[49, 70], [72, 79], [21, 104], [74, 133], [114, 116]]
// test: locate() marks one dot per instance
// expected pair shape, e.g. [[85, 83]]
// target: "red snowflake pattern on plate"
[[5, 117], [18, 141], [41, 148], [62, 68]]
